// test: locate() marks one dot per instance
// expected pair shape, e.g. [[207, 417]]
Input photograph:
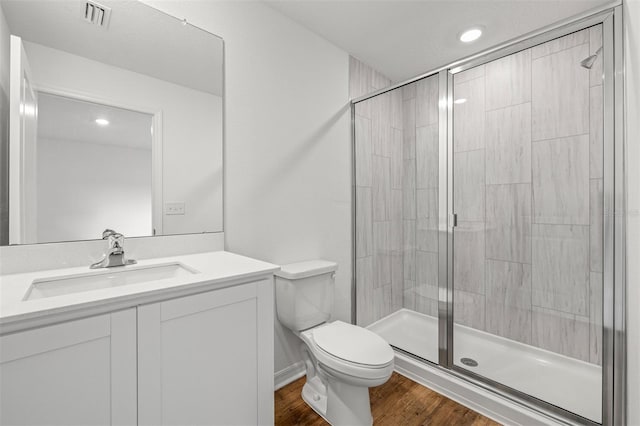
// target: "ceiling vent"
[[97, 14]]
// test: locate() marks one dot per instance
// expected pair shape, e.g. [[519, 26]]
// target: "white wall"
[[631, 10], [192, 146], [4, 129], [288, 146], [5, 34], [76, 200]]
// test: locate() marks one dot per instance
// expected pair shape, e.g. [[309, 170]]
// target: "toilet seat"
[[353, 344], [350, 350]]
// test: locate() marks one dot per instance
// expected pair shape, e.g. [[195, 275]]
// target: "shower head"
[[588, 62]]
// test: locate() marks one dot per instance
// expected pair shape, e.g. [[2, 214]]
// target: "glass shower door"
[[396, 217], [528, 195]]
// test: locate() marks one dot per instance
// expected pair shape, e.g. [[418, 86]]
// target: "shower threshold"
[[569, 383]]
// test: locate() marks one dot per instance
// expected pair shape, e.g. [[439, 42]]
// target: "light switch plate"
[[176, 208]]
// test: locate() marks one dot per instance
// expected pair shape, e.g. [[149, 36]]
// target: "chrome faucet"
[[115, 253]]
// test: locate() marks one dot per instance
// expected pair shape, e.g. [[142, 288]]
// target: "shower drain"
[[469, 362]]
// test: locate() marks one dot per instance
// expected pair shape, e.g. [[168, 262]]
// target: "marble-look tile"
[[469, 257], [409, 261], [364, 151], [469, 309], [508, 80], [427, 101], [508, 225], [596, 211], [508, 299], [408, 91], [364, 223], [409, 298], [395, 208], [560, 169], [360, 78], [397, 281], [380, 81], [363, 109], [364, 291], [396, 108], [381, 184], [409, 189], [595, 43], [470, 74], [560, 100], [427, 203], [469, 188], [396, 236], [409, 128], [427, 234], [596, 130], [468, 123], [427, 220], [426, 299], [427, 160], [382, 301], [409, 234], [396, 159], [562, 43], [426, 268], [426, 306], [382, 253], [596, 298], [381, 131], [559, 332], [561, 268], [508, 145]]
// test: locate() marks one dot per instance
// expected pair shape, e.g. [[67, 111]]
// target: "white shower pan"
[[568, 383]]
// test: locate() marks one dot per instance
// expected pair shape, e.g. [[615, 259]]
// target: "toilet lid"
[[352, 343]]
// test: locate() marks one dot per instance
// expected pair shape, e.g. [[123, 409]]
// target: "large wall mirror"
[[111, 116]]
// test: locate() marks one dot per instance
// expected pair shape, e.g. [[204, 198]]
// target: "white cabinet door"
[[207, 359], [80, 372]]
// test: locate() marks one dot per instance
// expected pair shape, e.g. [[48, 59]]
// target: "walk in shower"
[[480, 240]]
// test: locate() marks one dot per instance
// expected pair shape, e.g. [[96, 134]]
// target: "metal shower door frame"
[[614, 178]]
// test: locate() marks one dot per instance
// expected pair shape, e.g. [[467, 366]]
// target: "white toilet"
[[343, 361]]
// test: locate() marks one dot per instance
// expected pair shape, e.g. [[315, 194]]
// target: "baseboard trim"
[[290, 374], [489, 404]]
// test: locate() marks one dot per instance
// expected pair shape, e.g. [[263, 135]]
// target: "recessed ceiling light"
[[472, 34], [102, 121], [460, 101]]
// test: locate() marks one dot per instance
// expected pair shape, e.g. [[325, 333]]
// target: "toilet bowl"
[[342, 360]]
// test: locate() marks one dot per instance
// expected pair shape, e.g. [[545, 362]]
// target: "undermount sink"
[[109, 278]]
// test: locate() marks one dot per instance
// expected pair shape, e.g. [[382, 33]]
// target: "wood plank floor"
[[400, 401]]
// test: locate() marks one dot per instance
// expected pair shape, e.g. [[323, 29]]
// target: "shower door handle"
[[453, 220]]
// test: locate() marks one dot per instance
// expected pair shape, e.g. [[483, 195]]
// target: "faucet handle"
[[107, 233]]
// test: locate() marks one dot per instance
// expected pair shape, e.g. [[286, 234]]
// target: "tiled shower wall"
[[527, 190], [396, 195], [528, 193], [378, 175]]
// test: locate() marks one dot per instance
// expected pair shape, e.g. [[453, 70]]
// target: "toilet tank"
[[304, 293]]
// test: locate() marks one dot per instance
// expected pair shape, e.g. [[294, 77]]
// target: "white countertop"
[[214, 270]]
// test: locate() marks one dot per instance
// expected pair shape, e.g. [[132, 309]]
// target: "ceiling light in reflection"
[[102, 122], [460, 101], [472, 34]]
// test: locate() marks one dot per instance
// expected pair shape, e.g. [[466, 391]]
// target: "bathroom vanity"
[[192, 347]]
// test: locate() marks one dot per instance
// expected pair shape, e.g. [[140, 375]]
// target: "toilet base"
[[314, 393], [338, 403]]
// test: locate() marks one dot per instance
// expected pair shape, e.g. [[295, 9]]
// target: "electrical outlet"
[[174, 208]]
